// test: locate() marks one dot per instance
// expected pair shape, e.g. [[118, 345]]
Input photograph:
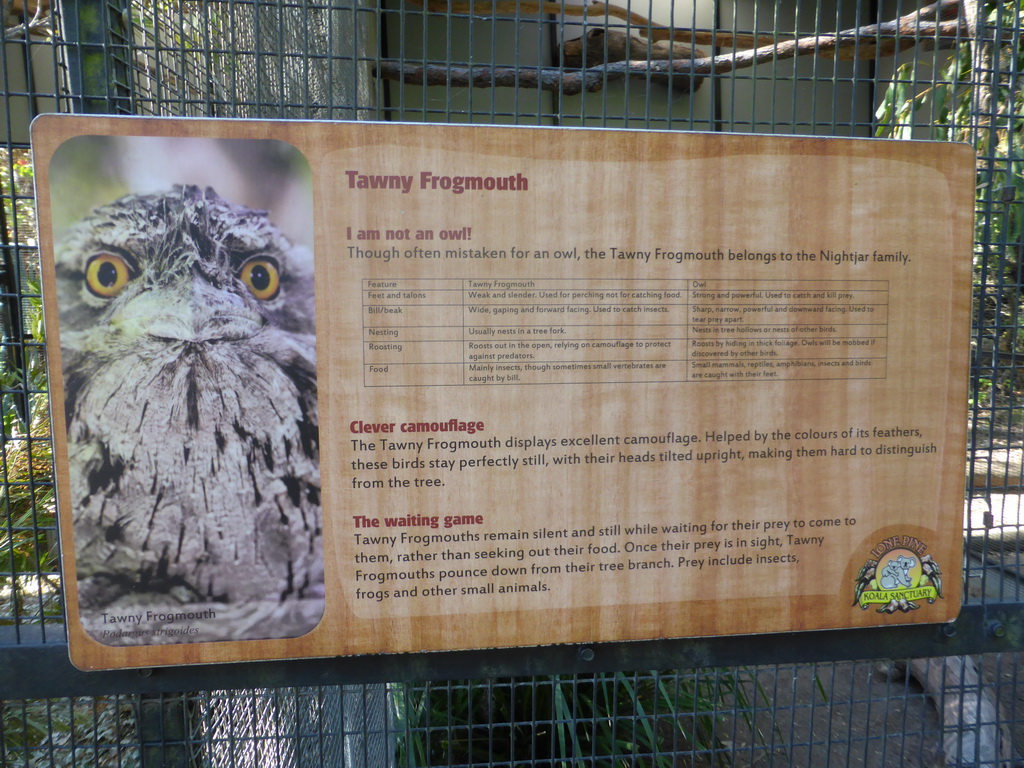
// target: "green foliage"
[[609, 720], [68, 732], [987, 111], [940, 111], [17, 175], [28, 552], [29, 585]]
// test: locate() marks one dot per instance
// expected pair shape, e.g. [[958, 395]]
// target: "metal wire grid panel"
[[835, 714], [827, 715], [951, 73], [29, 594], [241, 59]]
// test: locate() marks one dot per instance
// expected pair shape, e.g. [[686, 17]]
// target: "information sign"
[[355, 388]]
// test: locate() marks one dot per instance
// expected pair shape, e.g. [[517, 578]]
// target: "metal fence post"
[[97, 80]]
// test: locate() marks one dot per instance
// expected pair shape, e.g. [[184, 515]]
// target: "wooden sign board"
[[353, 388]]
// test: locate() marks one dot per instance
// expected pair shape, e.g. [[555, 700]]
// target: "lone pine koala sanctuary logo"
[[897, 576]]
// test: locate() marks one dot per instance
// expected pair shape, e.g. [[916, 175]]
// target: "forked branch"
[[929, 28]]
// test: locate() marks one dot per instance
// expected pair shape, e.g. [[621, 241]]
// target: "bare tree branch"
[[516, 10], [866, 42]]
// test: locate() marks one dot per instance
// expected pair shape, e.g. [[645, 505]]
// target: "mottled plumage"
[[187, 338]]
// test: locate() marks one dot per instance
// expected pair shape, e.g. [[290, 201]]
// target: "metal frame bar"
[[43, 670]]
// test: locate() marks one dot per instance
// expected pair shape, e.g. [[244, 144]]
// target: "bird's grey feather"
[[191, 410]]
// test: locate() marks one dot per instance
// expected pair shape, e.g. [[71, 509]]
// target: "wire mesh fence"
[[833, 714], [889, 69]]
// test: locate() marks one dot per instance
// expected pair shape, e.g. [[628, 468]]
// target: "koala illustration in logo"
[[896, 573]]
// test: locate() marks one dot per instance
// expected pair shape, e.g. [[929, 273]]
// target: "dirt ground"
[[872, 714], [859, 714]]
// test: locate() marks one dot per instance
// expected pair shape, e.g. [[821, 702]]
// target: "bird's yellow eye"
[[106, 275], [261, 277]]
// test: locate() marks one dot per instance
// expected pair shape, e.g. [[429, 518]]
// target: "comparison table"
[[436, 332]]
